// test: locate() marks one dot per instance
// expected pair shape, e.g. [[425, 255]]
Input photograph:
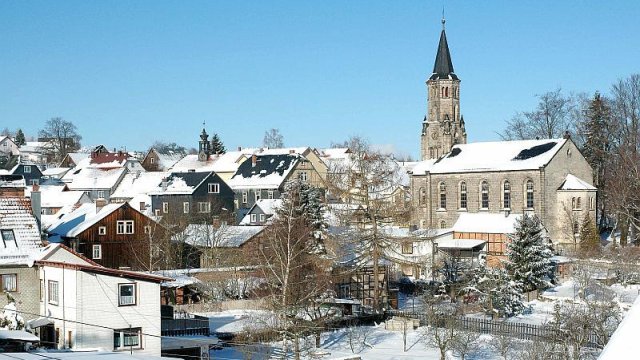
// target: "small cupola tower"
[[203, 150], [443, 126]]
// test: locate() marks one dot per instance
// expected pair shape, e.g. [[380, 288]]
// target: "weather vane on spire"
[[443, 20], [204, 123]]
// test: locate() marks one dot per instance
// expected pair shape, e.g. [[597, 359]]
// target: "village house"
[[96, 182], [262, 212], [184, 197], [112, 235], [154, 160], [8, 147]]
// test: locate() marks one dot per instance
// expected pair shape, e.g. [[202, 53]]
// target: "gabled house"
[[55, 198], [73, 303], [8, 147], [135, 188], [112, 235], [262, 212], [72, 159], [31, 172], [154, 160], [264, 177], [183, 197], [97, 183]]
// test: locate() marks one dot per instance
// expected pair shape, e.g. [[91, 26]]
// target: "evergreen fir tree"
[[529, 254], [217, 147], [20, 139], [499, 293], [589, 238], [307, 201]]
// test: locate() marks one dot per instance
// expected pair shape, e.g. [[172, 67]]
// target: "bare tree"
[[273, 139], [550, 119], [62, 135]]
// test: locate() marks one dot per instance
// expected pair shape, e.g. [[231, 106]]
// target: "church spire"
[[443, 67]]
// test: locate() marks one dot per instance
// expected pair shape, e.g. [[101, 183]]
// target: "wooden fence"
[[521, 331]]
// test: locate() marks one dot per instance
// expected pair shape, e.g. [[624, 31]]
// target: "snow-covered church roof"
[[493, 156], [486, 223], [572, 182]]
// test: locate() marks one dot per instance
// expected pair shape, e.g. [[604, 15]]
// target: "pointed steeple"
[[443, 67]]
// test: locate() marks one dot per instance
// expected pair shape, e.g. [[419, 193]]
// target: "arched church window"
[[443, 224], [506, 195], [443, 195], [529, 190], [422, 199], [484, 195], [573, 203], [463, 195], [446, 92]]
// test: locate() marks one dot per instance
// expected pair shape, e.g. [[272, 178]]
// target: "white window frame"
[[214, 188], [262, 218], [257, 194], [147, 229], [185, 207], [303, 176], [102, 230], [204, 207], [165, 207], [13, 282], [127, 300], [121, 344], [270, 194], [101, 194], [27, 169], [125, 227], [245, 197], [96, 252], [53, 296], [254, 218]]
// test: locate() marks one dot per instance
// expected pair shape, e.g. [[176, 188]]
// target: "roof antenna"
[[443, 19]]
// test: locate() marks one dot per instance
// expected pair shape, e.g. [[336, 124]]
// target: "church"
[[485, 182]]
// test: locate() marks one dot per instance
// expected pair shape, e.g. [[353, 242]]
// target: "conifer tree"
[[500, 294], [217, 147], [20, 139], [529, 254], [589, 238], [597, 147]]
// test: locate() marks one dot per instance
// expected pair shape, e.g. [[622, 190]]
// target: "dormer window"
[[27, 169], [8, 238]]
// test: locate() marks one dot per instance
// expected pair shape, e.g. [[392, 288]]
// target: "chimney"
[[254, 159], [239, 148], [216, 222], [36, 204], [100, 203], [164, 184], [291, 151], [567, 135]]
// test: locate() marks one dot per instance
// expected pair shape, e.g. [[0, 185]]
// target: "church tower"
[[443, 126], [203, 146]]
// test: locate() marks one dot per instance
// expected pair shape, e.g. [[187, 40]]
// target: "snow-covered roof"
[[138, 183], [335, 153], [268, 207], [620, 345], [17, 222], [268, 172], [77, 157], [93, 178], [486, 223], [493, 156], [55, 196], [183, 183], [79, 220], [458, 243], [167, 160], [55, 171], [572, 182], [224, 237]]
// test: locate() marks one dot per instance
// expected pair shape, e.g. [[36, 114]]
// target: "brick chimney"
[[254, 159], [36, 204]]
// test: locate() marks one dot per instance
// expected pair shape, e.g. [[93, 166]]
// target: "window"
[[579, 203], [9, 282], [126, 294], [506, 195], [253, 218], [245, 197], [53, 292], [124, 227], [127, 338], [443, 195], [592, 205], [257, 193], [101, 194], [262, 218], [41, 290], [443, 224], [97, 252], [270, 194], [165, 207], [214, 188], [407, 247], [204, 207], [345, 291], [157, 212], [102, 230], [576, 228], [463, 195], [147, 229], [27, 169], [8, 238], [484, 195], [529, 190], [422, 199], [303, 176], [152, 160], [185, 207]]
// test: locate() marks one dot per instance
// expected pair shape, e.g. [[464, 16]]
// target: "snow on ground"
[[235, 321]]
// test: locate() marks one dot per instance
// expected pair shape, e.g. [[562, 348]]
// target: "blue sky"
[[128, 73]]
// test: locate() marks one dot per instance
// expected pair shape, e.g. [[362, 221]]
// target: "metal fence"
[[184, 324]]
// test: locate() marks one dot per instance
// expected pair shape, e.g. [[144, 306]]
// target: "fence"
[[184, 324], [521, 331]]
